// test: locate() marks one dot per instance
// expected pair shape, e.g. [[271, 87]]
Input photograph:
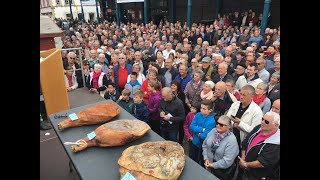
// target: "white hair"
[[97, 65], [102, 55], [276, 117]]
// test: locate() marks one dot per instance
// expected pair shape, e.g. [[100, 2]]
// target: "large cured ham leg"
[[115, 133], [153, 161], [96, 114]]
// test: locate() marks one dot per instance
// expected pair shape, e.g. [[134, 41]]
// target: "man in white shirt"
[[168, 50]]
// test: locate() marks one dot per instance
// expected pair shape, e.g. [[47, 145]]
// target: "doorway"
[[91, 17]]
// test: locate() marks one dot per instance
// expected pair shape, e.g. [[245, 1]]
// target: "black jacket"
[[113, 97], [175, 108], [105, 81], [267, 152], [216, 78]]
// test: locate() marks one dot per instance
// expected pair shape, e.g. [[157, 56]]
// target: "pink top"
[[236, 94], [260, 137], [187, 124]]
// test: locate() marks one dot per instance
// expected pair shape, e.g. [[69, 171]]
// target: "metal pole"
[[98, 18], [71, 15], [174, 14], [82, 12], [118, 14], [145, 7], [266, 9], [217, 8], [189, 13]]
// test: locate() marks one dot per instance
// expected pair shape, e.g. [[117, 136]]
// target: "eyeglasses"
[[86, 64], [72, 58], [266, 121], [258, 64], [220, 124], [121, 58]]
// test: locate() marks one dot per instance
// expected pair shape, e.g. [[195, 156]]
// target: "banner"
[[128, 1]]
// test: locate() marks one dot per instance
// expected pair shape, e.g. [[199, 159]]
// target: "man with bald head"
[[222, 73], [171, 114], [276, 106], [222, 99]]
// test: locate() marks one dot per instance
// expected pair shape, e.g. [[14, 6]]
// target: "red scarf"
[[70, 80], [95, 79], [259, 100]]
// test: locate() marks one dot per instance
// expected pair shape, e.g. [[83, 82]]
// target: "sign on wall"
[[128, 1]]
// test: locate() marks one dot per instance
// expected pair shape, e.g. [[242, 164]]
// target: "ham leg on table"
[[153, 161], [115, 133], [96, 114]]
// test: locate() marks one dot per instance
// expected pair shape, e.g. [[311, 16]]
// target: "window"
[[67, 2], [58, 2]]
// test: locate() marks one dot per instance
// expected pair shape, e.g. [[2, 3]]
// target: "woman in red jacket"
[[152, 77]]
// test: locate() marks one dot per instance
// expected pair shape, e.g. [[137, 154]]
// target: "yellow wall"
[[52, 81]]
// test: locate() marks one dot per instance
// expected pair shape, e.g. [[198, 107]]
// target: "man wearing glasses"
[[260, 156], [75, 66]]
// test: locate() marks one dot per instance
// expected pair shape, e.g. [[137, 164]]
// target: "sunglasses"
[[86, 64], [72, 58], [266, 121], [220, 124]]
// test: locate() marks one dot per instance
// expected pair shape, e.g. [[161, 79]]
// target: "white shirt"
[[166, 53]]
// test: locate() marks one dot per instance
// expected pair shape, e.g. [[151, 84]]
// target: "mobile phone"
[[233, 116]]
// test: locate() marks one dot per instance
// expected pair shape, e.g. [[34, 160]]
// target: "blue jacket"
[[184, 81], [116, 74], [199, 122], [133, 87]]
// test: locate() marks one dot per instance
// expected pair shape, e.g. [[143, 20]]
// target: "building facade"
[[45, 8], [61, 9]]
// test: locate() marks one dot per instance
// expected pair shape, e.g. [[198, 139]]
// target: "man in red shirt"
[[121, 72]]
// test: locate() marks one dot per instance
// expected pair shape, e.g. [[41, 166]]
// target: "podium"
[[52, 81]]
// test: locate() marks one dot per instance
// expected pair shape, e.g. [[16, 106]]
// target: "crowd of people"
[[215, 86]]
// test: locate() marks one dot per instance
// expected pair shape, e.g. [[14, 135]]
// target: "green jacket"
[[127, 105]]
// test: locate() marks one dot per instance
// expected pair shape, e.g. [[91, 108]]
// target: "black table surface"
[[82, 96], [101, 163]]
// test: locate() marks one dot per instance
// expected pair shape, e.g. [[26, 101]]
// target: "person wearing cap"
[[207, 92], [207, 68]]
